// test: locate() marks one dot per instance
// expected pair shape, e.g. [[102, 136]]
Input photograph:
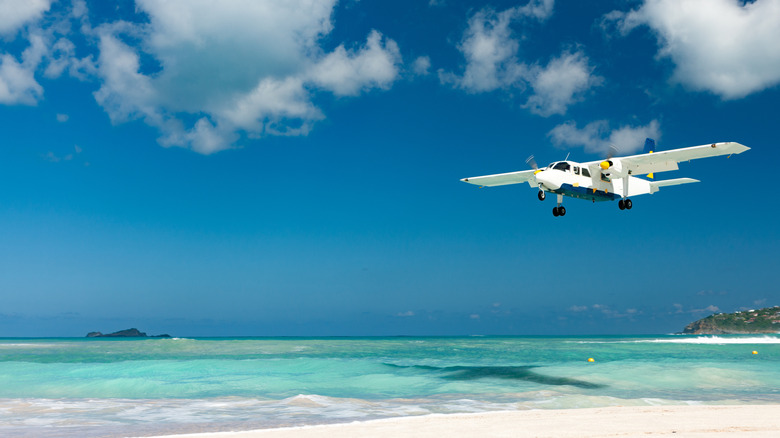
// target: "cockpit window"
[[585, 172], [562, 166]]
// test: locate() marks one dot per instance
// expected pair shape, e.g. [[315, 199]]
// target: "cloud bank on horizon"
[[212, 78]]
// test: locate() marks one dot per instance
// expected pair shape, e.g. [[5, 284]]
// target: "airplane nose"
[[548, 180]]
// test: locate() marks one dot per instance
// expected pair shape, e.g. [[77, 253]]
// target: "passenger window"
[[585, 172], [576, 170]]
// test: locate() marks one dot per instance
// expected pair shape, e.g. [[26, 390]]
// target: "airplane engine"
[[613, 168]]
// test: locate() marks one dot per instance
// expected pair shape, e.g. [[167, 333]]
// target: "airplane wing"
[[502, 179], [667, 160]]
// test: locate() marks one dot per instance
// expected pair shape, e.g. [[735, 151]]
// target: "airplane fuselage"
[[571, 179]]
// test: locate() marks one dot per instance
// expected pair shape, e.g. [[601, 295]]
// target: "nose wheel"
[[541, 195], [625, 204]]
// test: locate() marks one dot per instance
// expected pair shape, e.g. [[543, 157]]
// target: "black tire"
[[541, 195], [562, 211], [555, 211], [621, 205], [629, 204]]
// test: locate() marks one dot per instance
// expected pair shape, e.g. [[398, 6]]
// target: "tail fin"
[[649, 146], [649, 149]]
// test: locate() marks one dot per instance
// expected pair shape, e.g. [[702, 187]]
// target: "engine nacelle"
[[613, 168]]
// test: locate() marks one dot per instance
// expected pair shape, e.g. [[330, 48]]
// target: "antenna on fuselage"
[[567, 157]]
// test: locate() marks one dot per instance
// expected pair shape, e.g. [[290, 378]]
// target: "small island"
[[128, 333], [766, 320]]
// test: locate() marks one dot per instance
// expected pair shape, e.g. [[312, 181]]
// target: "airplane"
[[609, 179]]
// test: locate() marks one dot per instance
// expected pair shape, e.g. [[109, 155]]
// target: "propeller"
[[532, 162], [613, 150], [610, 166]]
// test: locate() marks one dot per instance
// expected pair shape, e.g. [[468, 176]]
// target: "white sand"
[[653, 421]]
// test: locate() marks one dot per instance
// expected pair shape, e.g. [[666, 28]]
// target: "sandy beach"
[[677, 421]]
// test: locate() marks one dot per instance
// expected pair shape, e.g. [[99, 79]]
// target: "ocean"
[[142, 387]]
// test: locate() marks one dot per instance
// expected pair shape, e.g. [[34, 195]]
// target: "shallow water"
[[120, 387]]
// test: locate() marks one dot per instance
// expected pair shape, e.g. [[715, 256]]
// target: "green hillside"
[[765, 320]]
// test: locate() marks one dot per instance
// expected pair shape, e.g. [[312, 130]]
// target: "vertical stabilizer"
[[649, 146]]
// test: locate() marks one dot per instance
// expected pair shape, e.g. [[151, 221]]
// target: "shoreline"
[[683, 420]]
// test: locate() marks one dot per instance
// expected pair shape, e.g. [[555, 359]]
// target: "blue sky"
[[292, 167]]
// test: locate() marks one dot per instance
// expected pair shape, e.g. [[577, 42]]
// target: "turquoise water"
[[136, 387]]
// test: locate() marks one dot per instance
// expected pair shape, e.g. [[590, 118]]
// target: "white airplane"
[[610, 179]]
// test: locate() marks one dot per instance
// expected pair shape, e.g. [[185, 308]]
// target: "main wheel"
[[541, 195], [555, 212], [562, 211], [629, 204], [622, 204]]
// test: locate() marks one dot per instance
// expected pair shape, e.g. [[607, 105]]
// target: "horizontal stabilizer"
[[654, 185]]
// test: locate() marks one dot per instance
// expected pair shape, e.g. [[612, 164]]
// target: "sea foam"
[[718, 340]]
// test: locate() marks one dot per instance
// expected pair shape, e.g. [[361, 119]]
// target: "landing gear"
[[541, 195], [559, 210], [625, 204]]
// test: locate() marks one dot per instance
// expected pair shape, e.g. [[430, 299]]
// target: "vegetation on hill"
[[765, 320]]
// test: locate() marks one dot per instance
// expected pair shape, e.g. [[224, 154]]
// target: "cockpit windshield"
[[562, 166]]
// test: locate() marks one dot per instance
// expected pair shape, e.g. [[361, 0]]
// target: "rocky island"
[[765, 320], [128, 333]]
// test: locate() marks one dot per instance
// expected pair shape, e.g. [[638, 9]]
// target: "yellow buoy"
[[590, 359], [755, 352]]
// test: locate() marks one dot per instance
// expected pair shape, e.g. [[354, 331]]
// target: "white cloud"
[[61, 57], [247, 67], [62, 118], [203, 73], [17, 79], [679, 308], [490, 48], [727, 47], [539, 9], [712, 308], [17, 13], [596, 137], [54, 158], [47, 50], [421, 66], [210, 51], [126, 93], [561, 83], [17, 83], [347, 74]]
